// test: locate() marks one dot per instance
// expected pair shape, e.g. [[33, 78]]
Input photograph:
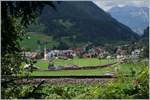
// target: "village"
[[120, 56]]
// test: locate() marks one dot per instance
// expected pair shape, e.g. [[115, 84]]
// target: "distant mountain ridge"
[[83, 22], [137, 18]]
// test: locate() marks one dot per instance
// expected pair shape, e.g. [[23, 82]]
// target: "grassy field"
[[124, 68], [72, 72], [43, 64], [31, 42]]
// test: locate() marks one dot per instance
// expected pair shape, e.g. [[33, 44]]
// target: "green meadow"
[[31, 41], [126, 68], [43, 64]]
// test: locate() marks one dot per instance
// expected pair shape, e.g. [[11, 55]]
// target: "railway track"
[[57, 77], [62, 79], [58, 80]]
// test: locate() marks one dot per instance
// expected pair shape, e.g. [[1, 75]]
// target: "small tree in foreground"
[[16, 16]]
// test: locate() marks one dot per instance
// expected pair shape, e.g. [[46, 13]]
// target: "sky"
[[108, 4]]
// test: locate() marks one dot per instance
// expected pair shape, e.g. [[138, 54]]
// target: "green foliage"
[[117, 89], [16, 16], [35, 41], [142, 83], [11, 56], [11, 66], [16, 91], [66, 24], [66, 91], [143, 43], [126, 88], [40, 28], [62, 46]]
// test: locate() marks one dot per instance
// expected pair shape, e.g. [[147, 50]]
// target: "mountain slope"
[[34, 41], [144, 43], [146, 33], [137, 18], [83, 22]]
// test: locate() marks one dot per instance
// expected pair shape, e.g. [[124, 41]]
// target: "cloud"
[[108, 4]]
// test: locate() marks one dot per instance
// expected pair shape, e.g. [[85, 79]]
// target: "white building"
[[58, 53], [135, 54]]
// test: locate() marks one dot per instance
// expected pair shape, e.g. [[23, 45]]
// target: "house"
[[108, 57], [121, 51], [135, 54], [62, 54], [79, 51], [31, 55], [87, 55], [97, 52], [103, 54], [52, 54], [120, 58]]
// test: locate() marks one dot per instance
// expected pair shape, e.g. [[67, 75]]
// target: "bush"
[[121, 88]]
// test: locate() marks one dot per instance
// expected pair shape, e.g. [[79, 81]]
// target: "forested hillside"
[[81, 22]]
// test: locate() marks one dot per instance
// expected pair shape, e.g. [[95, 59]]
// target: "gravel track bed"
[[57, 81]]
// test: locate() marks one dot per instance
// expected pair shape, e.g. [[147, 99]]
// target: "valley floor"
[[126, 68]]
